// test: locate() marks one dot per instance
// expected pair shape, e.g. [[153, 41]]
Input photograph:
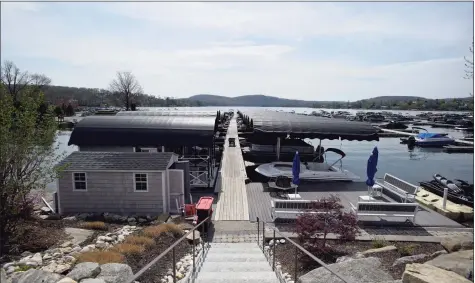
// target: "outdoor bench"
[[397, 188], [386, 209]]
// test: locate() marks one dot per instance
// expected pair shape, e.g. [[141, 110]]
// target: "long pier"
[[232, 202], [413, 134]]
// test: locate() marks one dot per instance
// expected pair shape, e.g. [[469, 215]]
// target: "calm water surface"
[[394, 158]]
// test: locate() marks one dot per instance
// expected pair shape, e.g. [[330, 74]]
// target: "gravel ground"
[[285, 254]]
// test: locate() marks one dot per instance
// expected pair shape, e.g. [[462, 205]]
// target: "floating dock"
[[458, 149], [459, 141], [232, 202]]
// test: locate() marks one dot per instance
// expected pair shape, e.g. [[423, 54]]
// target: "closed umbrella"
[[296, 171], [371, 168]]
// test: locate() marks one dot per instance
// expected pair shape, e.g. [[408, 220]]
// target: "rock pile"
[[86, 272], [184, 266], [60, 260], [115, 218]]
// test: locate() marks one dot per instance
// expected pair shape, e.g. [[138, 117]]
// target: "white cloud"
[[218, 48]]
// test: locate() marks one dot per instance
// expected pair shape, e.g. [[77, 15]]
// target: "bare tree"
[[16, 81], [469, 66], [126, 88]]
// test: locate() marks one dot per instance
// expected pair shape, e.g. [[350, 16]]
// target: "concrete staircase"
[[235, 262]]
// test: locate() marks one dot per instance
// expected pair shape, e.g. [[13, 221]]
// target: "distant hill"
[[251, 100]]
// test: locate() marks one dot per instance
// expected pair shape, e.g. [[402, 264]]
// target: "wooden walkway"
[[232, 201]]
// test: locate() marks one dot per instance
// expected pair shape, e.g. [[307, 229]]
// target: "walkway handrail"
[[171, 248], [297, 246]]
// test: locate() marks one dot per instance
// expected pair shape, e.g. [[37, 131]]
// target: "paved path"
[[246, 232], [232, 202]]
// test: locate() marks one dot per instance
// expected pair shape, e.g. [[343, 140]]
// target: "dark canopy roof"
[[144, 131], [303, 126]]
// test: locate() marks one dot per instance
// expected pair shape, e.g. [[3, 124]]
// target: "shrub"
[[312, 228], [101, 257], [156, 231], [96, 225], [406, 250], [128, 249], [377, 243], [140, 240]]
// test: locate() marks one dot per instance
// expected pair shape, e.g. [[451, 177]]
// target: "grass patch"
[[156, 231], [407, 250], [128, 249], [95, 225], [23, 268], [139, 240], [101, 257], [377, 243]]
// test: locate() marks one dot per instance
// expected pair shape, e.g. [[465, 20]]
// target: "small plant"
[[101, 257], [156, 231], [23, 268], [96, 225], [324, 217], [406, 250], [140, 240], [128, 249], [377, 243]]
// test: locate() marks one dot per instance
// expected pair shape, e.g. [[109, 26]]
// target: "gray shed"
[[120, 182]]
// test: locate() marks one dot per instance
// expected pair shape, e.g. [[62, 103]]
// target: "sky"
[[308, 51]]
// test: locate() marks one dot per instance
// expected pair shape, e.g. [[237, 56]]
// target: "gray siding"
[[107, 148], [111, 192]]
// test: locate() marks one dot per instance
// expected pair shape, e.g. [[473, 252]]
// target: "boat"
[[459, 193], [310, 171], [394, 125], [433, 140]]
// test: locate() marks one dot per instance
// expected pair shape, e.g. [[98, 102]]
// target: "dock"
[[458, 149], [232, 200], [459, 141]]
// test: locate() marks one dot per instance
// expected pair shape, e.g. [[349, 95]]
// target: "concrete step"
[[234, 245], [235, 266], [235, 250], [237, 277], [230, 257]]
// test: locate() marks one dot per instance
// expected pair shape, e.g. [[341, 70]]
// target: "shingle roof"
[[110, 161]]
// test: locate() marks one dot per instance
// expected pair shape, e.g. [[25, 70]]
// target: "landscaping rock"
[[347, 258], [410, 259], [379, 250], [115, 273], [84, 270], [67, 280], [363, 270], [45, 210], [437, 253], [70, 218], [79, 235], [426, 273], [37, 276], [93, 280], [459, 262], [457, 243], [3, 275], [37, 258], [197, 237], [56, 267]]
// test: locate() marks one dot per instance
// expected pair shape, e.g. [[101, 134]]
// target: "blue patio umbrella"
[[296, 169], [371, 168]]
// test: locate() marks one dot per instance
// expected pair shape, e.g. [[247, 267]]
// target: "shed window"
[[79, 181], [141, 182]]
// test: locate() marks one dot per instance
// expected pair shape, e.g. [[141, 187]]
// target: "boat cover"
[[430, 135], [293, 125]]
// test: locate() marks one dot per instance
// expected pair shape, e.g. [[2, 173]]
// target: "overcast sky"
[[310, 51]]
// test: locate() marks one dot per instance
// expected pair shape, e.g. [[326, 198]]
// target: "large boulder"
[[459, 262], [410, 259], [84, 270], [457, 243], [426, 273], [3, 275], [379, 250], [115, 273], [93, 280], [37, 276], [363, 270]]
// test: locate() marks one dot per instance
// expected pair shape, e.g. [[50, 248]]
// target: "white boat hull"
[[314, 172]]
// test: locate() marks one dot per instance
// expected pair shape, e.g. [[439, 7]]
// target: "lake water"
[[394, 158]]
